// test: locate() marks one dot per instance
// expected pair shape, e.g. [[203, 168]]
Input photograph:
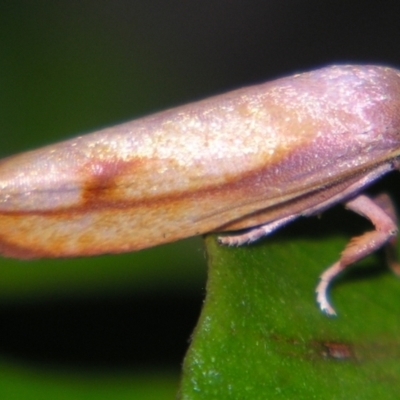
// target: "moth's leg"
[[359, 247], [385, 202], [255, 233]]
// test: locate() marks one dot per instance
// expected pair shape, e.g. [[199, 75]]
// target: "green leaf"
[[261, 334]]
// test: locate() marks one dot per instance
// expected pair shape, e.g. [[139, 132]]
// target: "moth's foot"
[[322, 298]]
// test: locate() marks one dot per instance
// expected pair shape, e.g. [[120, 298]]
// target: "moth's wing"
[[223, 163]]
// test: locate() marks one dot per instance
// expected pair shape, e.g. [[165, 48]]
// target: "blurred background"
[[120, 325]]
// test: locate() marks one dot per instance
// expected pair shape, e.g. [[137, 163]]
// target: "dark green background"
[[119, 325]]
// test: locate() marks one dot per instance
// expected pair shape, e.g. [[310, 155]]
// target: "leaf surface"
[[261, 334]]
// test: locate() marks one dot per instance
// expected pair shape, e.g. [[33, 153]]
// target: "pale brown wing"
[[229, 161]]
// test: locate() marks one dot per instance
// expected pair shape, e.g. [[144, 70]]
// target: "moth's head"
[[382, 88], [365, 100]]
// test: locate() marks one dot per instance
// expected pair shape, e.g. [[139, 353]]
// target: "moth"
[[246, 162]]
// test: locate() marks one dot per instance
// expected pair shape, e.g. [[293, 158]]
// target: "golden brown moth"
[[255, 159]]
